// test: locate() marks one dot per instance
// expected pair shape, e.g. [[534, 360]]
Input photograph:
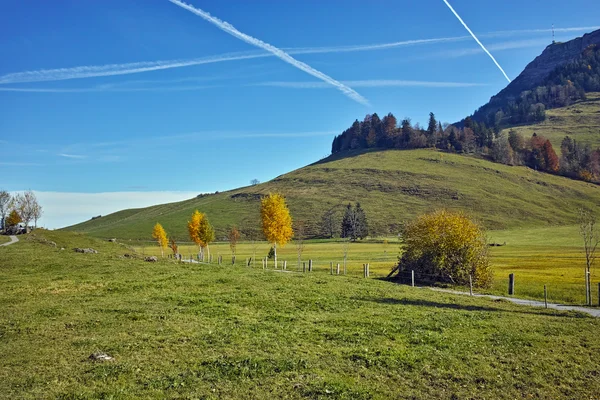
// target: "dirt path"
[[13, 239], [595, 312]]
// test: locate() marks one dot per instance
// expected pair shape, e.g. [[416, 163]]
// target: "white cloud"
[[68, 208], [72, 156]]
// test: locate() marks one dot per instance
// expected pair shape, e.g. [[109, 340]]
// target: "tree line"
[[19, 208], [276, 227]]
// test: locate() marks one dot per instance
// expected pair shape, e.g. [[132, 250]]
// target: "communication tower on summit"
[[553, 41]]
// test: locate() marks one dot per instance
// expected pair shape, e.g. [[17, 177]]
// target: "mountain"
[[561, 75], [554, 55], [392, 186]]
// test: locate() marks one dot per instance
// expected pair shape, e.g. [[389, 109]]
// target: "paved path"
[[13, 239], [595, 312]]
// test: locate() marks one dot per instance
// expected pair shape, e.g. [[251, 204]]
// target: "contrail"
[[477, 40], [225, 26], [369, 84], [117, 69], [91, 71]]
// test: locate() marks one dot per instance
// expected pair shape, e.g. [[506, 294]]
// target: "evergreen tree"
[[347, 222], [362, 226], [431, 129]]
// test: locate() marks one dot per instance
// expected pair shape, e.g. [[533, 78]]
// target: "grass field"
[[191, 331], [4, 239], [580, 121], [538, 256], [392, 186]]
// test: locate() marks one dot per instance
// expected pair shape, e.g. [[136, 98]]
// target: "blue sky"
[[145, 96]]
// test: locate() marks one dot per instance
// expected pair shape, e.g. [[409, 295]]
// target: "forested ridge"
[[480, 133]]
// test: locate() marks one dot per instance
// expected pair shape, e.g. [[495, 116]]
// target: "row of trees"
[[276, 228], [576, 160], [20, 208], [374, 132]]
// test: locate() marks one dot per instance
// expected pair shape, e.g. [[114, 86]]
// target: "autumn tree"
[[159, 234], [276, 221], [173, 246], [446, 246], [201, 232], [13, 219], [5, 200], [233, 236]]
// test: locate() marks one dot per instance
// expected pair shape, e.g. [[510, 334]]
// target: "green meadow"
[[178, 330], [537, 256], [392, 186], [580, 121]]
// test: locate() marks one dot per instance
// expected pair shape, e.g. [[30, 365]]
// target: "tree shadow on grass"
[[467, 307]]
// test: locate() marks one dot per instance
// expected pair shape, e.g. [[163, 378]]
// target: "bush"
[[446, 246]]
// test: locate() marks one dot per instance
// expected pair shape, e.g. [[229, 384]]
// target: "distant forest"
[[479, 134]]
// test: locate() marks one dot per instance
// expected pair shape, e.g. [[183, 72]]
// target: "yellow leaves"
[[276, 219], [200, 230], [159, 234], [449, 244]]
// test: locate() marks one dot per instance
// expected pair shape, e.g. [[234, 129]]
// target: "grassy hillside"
[[580, 121], [190, 331], [393, 186]]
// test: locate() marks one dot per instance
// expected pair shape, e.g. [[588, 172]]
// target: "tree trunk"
[[207, 252], [275, 253]]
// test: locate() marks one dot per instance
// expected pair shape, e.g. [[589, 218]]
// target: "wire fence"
[[571, 293]]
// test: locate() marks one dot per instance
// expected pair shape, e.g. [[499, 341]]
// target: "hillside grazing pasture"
[[551, 256], [202, 331], [580, 121], [392, 186]]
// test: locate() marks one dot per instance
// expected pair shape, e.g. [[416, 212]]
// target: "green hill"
[[392, 186], [580, 121]]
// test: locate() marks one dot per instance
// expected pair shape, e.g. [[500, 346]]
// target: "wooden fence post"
[[232, 260], [309, 265], [412, 278], [368, 272], [471, 285], [511, 284], [285, 265], [331, 267], [364, 270], [545, 296], [338, 269], [303, 266]]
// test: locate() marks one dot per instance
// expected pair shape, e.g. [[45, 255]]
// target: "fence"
[[520, 286]]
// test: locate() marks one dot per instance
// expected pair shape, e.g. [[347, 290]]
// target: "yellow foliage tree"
[[446, 246], [13, 218], [276, 221], [159, 234], [201, 232]]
